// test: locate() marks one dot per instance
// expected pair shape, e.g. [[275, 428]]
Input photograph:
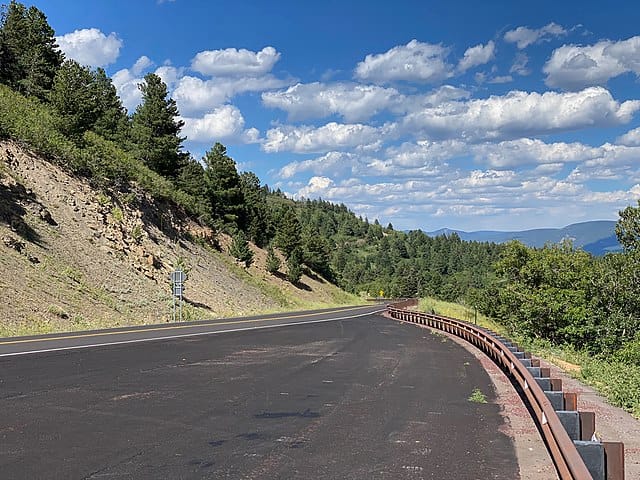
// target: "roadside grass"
[[461, 312], [618, 381], [286, 302]]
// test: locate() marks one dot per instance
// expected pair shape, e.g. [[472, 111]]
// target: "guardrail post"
[[587, 425], [614, 456]]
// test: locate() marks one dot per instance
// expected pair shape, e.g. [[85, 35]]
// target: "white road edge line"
[[185, 335]]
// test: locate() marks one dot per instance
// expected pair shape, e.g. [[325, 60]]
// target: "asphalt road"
[[358, 398]]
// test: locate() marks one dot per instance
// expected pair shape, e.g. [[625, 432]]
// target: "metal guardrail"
[[568, 461]]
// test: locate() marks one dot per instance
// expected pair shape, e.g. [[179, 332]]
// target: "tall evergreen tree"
[[223, 187], [72, 96], [257, 222], [191, 180], [316, 250], [29, 54], [155, 129], [112, 121], [289, 234]]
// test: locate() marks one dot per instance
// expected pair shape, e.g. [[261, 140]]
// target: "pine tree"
[[223, 187], [257, 222], [316, 251], [155, 130], [112, 121], [240, 249], [289, 234], [273, 261], [29, 54], [191, 180], [294, 266], [73, 97]]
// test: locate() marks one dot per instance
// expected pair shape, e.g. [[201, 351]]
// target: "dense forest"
[[73, 116]]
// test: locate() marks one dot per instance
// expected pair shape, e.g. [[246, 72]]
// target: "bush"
[[618, 381], [629, 353], [28, 120]]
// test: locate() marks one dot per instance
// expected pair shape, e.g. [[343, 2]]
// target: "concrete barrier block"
[[556, 399], [545, 383], [571, 422], [534, 371], [592, 454]]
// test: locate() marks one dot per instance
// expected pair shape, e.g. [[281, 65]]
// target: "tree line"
[[569, 297]]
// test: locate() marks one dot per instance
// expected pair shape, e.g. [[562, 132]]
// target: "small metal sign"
[[178, 277], [178, 289]]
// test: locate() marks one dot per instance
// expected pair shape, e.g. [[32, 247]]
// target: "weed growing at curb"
[[477, 396]]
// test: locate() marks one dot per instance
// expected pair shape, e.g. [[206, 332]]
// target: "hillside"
[[596, 237], [74, 257]]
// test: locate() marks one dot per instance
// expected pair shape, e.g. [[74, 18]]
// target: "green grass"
[[461, 312]]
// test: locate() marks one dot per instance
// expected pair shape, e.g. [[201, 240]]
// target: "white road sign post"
[[178, 277]]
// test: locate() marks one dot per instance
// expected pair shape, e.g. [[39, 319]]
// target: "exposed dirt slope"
[[73, 257]]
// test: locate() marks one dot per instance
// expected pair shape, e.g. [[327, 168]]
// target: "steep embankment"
[[72, 257]]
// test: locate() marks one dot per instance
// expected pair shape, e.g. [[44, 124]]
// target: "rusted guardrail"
[[517, 364]]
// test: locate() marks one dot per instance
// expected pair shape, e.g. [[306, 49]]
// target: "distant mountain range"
[[597, 237]]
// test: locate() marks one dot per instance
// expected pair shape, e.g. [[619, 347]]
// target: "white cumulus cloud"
[[573, 67], [335, 163], [631, 138], [524, 36], [126, 84], [527, 151], [142, 64], [332, 136], [196, 95], [521, 114], [224, 123], [235, 62], [478, 55], [90, 47], [353, 102], [413, 62]]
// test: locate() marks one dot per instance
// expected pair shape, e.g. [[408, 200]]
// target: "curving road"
[[333, 394]]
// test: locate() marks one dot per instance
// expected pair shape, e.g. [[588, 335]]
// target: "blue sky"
[[462, 114]]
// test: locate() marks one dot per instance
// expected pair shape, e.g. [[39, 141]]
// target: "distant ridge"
[[597, 237]]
